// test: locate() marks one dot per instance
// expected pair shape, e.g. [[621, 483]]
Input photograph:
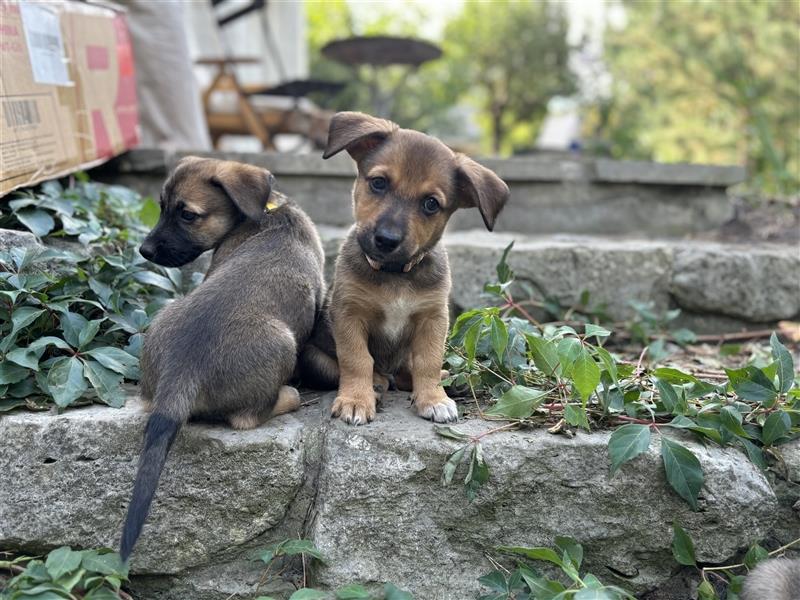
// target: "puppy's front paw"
[[355, 408], [436, 406]]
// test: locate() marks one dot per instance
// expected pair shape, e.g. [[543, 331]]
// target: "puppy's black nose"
[[388, 238], [148, 250]]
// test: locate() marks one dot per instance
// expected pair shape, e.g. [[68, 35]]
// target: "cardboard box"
[[67, 89]]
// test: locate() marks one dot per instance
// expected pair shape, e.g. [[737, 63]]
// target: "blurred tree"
[[514, 56], [506, 58], [706, 82]]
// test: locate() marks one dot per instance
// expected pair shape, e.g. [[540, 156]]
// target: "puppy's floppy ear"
[[479, 187], [357, 133], [248, 187]]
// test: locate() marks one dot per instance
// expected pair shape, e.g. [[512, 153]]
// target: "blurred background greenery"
[[673, 81]]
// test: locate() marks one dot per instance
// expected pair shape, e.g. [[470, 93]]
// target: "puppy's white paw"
[[436, 407]]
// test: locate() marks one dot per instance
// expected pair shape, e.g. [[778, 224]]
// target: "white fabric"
[[170, 109]]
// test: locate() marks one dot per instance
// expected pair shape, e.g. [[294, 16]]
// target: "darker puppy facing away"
[[227, 349], [386, 315]]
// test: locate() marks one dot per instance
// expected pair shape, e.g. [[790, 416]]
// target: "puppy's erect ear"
[[248, 187], [357, 133], [479, 187]]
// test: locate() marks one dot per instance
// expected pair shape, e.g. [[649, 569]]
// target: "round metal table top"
[[381, 51], [299, 88]]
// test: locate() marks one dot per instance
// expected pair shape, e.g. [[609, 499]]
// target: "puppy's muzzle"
[[148, 250], [388, 238]]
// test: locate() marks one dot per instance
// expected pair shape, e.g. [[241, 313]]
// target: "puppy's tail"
[[317, 369], [158, 437]]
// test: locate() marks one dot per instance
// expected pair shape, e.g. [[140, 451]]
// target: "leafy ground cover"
[[566, 376], [72, 314]]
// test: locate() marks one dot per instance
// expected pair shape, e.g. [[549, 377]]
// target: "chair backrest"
[[233, 16]]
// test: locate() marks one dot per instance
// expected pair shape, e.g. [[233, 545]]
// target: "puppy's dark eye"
[[188, 216], [430, 206], [378, 185]]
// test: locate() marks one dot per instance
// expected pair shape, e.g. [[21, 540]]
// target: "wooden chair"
[[253, 114]]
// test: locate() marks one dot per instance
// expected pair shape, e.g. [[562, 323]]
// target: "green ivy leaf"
[[684, 472], [352, 592], [115, 359], [88, 333], [448, 432], [669, 398], [62, 561], [295, 547], [751, 383], [754, 556], [498, 334], [11, 373], [149, 213], [471, 338], [731, 419], [544, 354], [585, 374], [592, 330], [106, 383], [535, 553], [576, 416], [776, 426], [785, 364], [452, 464], [25, 357], [72, 324], [154, 279], [39, 222], [478, 473], [627, 442], [706, 591], [674, 376], [682, 546], [571, 548], [65, 380], [518, 402], [105, 563], [392, 592]]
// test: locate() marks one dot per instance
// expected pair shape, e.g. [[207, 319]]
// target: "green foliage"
[[66, 573], [509, 89], [511, 84], [705, 82], [535, 375], [72, 315], [526, 582]]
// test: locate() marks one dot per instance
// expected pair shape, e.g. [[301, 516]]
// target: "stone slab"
[[370, 497], [383, 515], [69, 479], [548, 193], [756, 284]]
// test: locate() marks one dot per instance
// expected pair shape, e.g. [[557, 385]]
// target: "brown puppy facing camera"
[[387, 310], [227, 349]]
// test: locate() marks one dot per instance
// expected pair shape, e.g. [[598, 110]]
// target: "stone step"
[[370, 498], [717, 286], [548, 194]]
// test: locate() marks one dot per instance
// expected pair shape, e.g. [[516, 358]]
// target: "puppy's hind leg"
[[288, 401]]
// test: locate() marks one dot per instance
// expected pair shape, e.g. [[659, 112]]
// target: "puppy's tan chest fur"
[[397, 315]]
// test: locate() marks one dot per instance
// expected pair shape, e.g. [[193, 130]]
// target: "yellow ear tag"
[[271, 206]]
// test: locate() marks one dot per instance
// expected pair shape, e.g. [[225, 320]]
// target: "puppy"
[[387, 314], [773, 579], [226, 350]]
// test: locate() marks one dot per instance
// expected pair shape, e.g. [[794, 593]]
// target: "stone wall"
[[371, 499], [549, 194]]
